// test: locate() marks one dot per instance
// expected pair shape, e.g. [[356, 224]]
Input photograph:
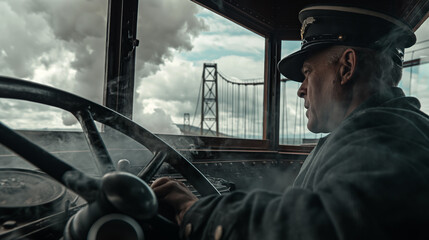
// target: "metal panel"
[[272, 91], [120, 56]]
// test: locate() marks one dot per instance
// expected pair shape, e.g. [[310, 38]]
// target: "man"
[[368, 179]]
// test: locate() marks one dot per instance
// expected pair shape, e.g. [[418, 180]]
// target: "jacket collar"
[[386, 98]]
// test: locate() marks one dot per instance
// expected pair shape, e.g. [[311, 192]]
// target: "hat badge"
[[305, 24]]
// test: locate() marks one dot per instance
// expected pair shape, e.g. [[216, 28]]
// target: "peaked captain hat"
[[324, 26]]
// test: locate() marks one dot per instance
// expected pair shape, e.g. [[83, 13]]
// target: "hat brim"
[[291, 65]]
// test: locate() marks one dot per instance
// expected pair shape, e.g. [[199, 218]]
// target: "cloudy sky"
[[61, 43]]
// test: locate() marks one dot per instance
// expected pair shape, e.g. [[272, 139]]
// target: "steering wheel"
[[117, 196]]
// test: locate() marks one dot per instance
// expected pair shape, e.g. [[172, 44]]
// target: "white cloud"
[[163, 27], [174, 81], [223, 42], [24, 115], [24, 40], [62, 43], [171, 90], [157, 121], [241, 67]]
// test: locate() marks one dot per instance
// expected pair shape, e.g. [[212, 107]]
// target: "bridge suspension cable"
[[237, 103]]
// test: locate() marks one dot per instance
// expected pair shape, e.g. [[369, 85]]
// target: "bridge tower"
[[209, 101], [186, 124]]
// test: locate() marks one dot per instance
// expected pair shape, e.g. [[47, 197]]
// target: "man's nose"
[[302, 91]]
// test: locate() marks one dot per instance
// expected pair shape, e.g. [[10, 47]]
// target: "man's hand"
[[174, 194]]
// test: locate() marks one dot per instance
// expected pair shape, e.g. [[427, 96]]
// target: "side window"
[[197, 62], [415, 75], [415, 82], [293, 122]]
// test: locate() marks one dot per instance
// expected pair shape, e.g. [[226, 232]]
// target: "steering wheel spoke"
[[95, 142], [48, 163]]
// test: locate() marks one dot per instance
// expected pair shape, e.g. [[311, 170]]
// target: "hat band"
[[358, 11], [397, 54], [322, 38]]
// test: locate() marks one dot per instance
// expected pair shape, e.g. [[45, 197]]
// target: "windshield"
[[63, 44]]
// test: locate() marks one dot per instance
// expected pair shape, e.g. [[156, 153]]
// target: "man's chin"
[[312, 127]]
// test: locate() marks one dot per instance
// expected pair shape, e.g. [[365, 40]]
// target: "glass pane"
[[43, 125], [415, 76], [170, 72], [25, 115], [293, 122], [415, 82], [58, 43], [69, 145], [133, 155]]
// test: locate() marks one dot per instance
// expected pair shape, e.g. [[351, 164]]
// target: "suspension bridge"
[[232, 107]]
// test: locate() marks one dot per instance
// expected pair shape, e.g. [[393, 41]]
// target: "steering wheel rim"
[[87, 112]]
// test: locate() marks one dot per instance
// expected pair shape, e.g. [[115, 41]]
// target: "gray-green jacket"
[[369, 179]]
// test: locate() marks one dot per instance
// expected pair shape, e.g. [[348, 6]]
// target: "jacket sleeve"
[[360, 191], [258, 215]]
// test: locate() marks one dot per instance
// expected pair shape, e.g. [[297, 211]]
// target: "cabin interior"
[[246, 132]]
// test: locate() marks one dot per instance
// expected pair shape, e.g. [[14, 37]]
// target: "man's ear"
[[348, 65]]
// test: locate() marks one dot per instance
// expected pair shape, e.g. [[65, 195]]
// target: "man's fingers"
[[172, 190], [162, 190], [160, 181], [173, 194], [167, 187]]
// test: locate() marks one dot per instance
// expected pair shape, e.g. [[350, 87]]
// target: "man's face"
[[320, 90]]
